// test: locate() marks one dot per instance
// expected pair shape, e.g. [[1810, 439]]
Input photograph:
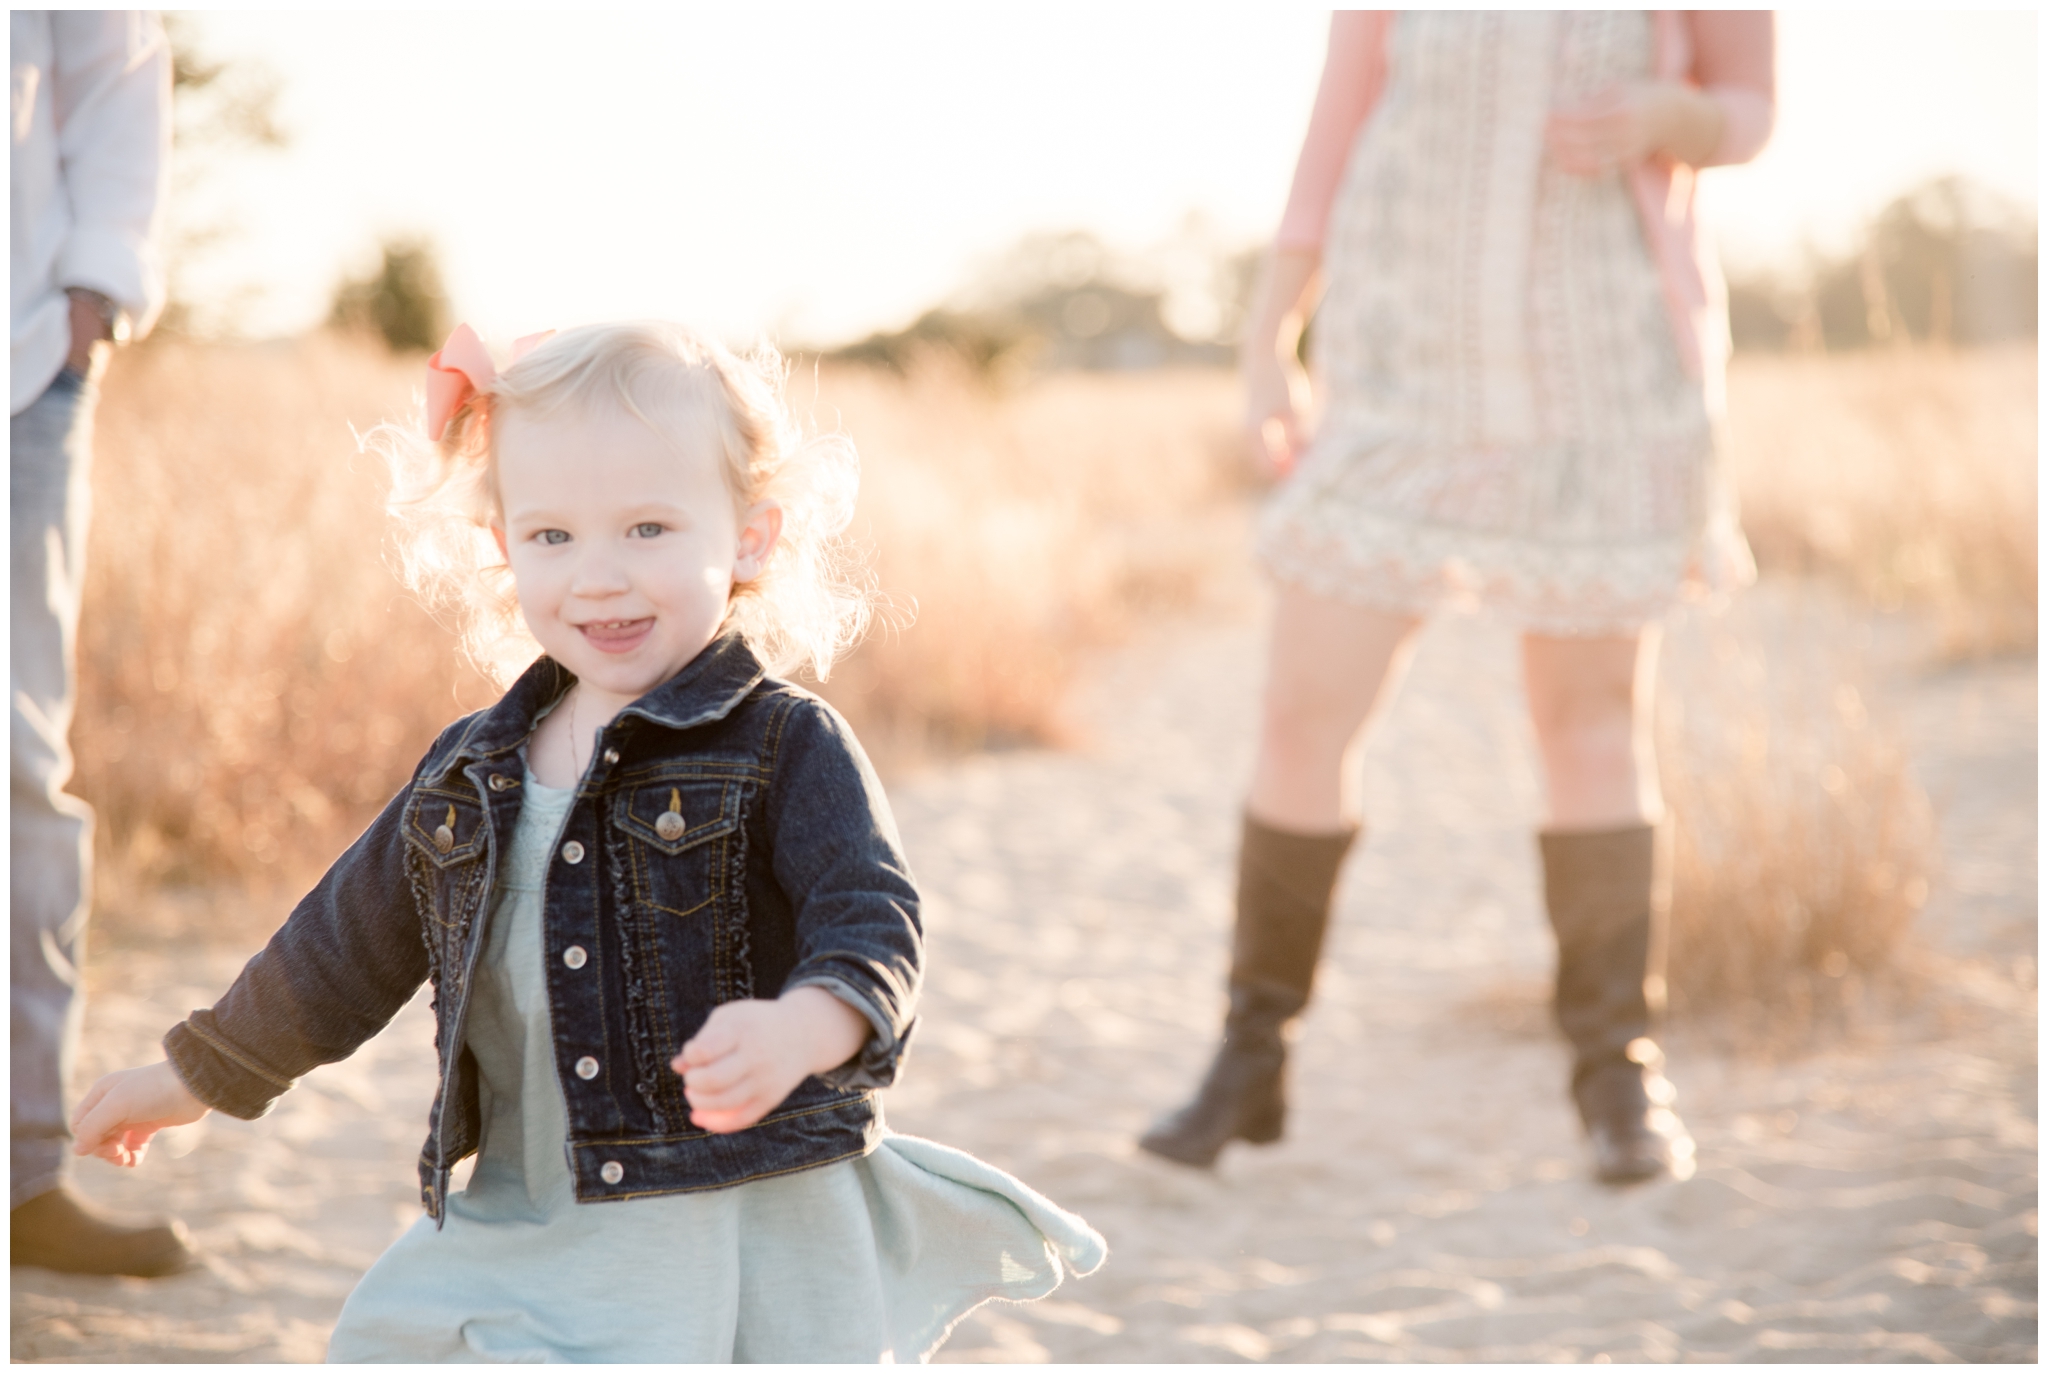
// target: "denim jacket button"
[[575, 956], [572, 852], [586, 1067], [499, 782], [670, 826], [444, 838], [611, 756], [612, 1171]]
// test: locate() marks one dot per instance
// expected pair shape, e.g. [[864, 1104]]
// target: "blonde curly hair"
[[806, 607]]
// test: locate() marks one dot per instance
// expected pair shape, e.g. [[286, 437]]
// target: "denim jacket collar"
[[707, 689]]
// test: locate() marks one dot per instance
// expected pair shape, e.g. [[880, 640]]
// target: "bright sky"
[[822, 172]]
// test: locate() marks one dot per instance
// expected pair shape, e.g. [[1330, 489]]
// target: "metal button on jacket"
[[572, 852], [499, 782], [586, 1067], [612, 1171], [670, 824], [611, 756], [575, 956]]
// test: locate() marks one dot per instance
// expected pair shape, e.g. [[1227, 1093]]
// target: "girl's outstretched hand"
[[750, 1055], [120, 1113]]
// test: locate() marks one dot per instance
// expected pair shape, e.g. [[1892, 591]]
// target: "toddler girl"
[[673, 939]]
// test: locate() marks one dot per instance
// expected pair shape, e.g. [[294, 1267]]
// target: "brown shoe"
[[1606, 894], [55, 1230], [1243, 1096], [1284, 885]]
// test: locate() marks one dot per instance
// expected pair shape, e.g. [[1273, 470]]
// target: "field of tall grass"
[[1900, 480], [255, 683], [1803, 847], [1907, 475]]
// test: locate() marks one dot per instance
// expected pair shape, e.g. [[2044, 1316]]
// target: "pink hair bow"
[[461, 369]]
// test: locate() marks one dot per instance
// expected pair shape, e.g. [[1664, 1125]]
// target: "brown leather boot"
[[1284, 882], [55, 1230], [1608, 904]]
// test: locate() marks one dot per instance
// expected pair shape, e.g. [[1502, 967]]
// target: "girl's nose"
[[598, 573]]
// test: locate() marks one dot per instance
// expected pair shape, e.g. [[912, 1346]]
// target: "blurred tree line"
[[1066, 300], [401, 299], [1949, 262]]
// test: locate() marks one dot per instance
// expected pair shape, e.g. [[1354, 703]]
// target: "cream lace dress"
[[1506, 418]]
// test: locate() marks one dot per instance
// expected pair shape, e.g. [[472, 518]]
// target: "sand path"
[[1874, 1201]]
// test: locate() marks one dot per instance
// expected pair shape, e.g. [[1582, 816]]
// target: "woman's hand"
[[1634, 120], [1276, 390], [750, 1055], [1276, 399], [123, 1110]]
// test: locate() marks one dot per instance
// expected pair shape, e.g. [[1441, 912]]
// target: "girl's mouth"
[[617, 636]]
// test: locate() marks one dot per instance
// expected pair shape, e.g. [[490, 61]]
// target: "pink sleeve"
[[1354, 74], [1735, 61]]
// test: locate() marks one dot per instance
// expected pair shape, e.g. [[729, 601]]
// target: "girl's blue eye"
[[554, 536], [647, 529]]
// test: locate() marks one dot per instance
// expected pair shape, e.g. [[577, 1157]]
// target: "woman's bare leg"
[[1332, 668], [1591, 702]]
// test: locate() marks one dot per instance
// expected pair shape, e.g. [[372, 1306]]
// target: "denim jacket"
[[729, 840]]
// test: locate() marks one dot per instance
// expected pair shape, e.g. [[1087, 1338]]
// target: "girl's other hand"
[[120, 1113], [750, 1055], [1627, 123], [1276, 397]]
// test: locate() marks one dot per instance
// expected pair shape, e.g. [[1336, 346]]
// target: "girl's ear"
[[759, 530], [498, 538]]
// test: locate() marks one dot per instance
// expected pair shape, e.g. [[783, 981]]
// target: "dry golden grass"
[[1803, 848], [252, 682], [1909, 474], [255, 683], [1017, 529]]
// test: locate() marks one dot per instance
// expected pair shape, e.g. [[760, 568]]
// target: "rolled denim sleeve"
[[838, 857], [333, 975], [875, 1065]]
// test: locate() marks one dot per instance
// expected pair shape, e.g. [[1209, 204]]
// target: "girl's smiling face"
[[624, 549]]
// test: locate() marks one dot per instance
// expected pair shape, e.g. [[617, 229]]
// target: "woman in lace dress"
[[1519, 346]]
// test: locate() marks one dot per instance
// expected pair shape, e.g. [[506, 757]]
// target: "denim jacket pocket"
[[446, 827], [675, 814], [681, 898], [679, 835], [445, 844]]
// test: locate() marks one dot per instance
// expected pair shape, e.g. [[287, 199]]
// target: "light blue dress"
[[861, 1260]]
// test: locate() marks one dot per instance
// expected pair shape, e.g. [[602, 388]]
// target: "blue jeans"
[[50, 840]]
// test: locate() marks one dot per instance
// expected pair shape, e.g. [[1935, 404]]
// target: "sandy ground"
[[1873, 1200]]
